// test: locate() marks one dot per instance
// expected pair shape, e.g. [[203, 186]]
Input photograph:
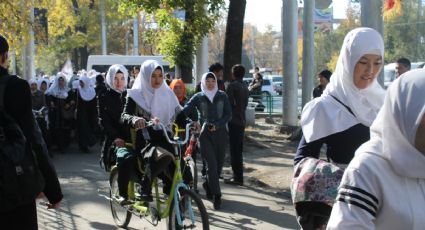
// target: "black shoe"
[[233, 181], [217, 202], [207, 190], [123, 201], [147, 197]]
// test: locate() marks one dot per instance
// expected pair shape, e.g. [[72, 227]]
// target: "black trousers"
[[23, 217], [236, 135]]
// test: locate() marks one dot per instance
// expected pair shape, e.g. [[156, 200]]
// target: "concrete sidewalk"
[[244, 207]]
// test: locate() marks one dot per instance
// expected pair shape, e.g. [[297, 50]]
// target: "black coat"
[[110, 106], [17, 103]]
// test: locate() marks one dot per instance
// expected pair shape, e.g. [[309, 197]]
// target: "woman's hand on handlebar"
[[119, 142], [197, 126], [156, 121], [140, 123]]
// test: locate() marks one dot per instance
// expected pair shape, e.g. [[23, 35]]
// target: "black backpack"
[[20, 178]]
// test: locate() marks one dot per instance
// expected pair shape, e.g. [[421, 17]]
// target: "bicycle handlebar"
[[164, 130]]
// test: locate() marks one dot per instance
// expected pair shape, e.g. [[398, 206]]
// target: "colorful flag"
[[391, 9]]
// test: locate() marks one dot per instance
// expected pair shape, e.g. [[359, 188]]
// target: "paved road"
[[82, 207]]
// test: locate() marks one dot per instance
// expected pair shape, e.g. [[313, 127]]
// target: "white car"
[[390, 74]]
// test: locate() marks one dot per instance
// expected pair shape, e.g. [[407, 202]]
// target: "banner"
[[67, 69]]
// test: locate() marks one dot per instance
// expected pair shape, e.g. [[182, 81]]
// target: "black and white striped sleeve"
[[358, 197], [357, 203]]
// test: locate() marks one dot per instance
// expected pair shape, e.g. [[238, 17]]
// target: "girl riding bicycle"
[[148, 99]]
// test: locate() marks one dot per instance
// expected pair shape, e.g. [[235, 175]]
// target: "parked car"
[[390, 74], [278, 87]]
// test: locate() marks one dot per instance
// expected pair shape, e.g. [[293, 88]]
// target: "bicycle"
[[190, 155], [183, 208]]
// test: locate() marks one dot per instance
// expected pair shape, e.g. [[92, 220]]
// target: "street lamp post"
[[290, 56]]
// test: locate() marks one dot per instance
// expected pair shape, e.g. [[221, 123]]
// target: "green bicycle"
[[182, 208]]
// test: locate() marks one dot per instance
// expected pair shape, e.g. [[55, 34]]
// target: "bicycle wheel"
[[189, 201], [119, 213]]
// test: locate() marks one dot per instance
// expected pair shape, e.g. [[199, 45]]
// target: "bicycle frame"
[[176, 185]]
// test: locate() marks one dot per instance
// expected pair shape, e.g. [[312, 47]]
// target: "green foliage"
[[176, 38], [401, 35], [327, 46]]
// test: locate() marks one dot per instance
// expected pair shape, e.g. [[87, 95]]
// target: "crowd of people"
[[374, 140], [92, 107]]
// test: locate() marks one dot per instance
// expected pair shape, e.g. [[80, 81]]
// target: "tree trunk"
[[83, 52], [75, 59], [84, 55], [187, 40], [234, 34]]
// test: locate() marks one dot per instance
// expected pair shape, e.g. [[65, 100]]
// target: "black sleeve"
[[17, 102], [52, 188], [127, 116], [22, 113], [230, 95], [104, 117], [311, 149]]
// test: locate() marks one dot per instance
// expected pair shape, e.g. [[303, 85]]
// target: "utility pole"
[[290, 74], [103, 25], [13, 61], [418, 27], [28, 68], [136, 35], [201, 59], [308, 51], [371, 16]]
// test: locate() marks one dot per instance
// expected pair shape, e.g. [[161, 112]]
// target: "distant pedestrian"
[[214, 109], [402, 65], [43, 85], [61, 112], [168, 78], [324, 78], [20, 212], [100, 84], [217, 69], [238, 94], [86, 106]]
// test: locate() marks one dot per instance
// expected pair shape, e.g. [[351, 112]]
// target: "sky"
[[264, 12]]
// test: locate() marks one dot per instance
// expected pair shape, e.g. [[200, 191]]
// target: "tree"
[[234, 33], [401, 34], [327, 46], [176, 38]]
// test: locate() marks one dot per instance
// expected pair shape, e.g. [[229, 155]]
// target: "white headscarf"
[[41, 81], [162, 102], [393, 132], [32, 81], [54, 89], [324, 116], [86, 92], [111, 75], [209, 93]]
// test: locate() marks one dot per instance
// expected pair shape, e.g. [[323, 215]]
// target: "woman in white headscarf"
[[43, 85], [215, 111], [341, 117], [111, 103], [38, 98], [86, 106], [149, 99], [383, 187], [61, 113]]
